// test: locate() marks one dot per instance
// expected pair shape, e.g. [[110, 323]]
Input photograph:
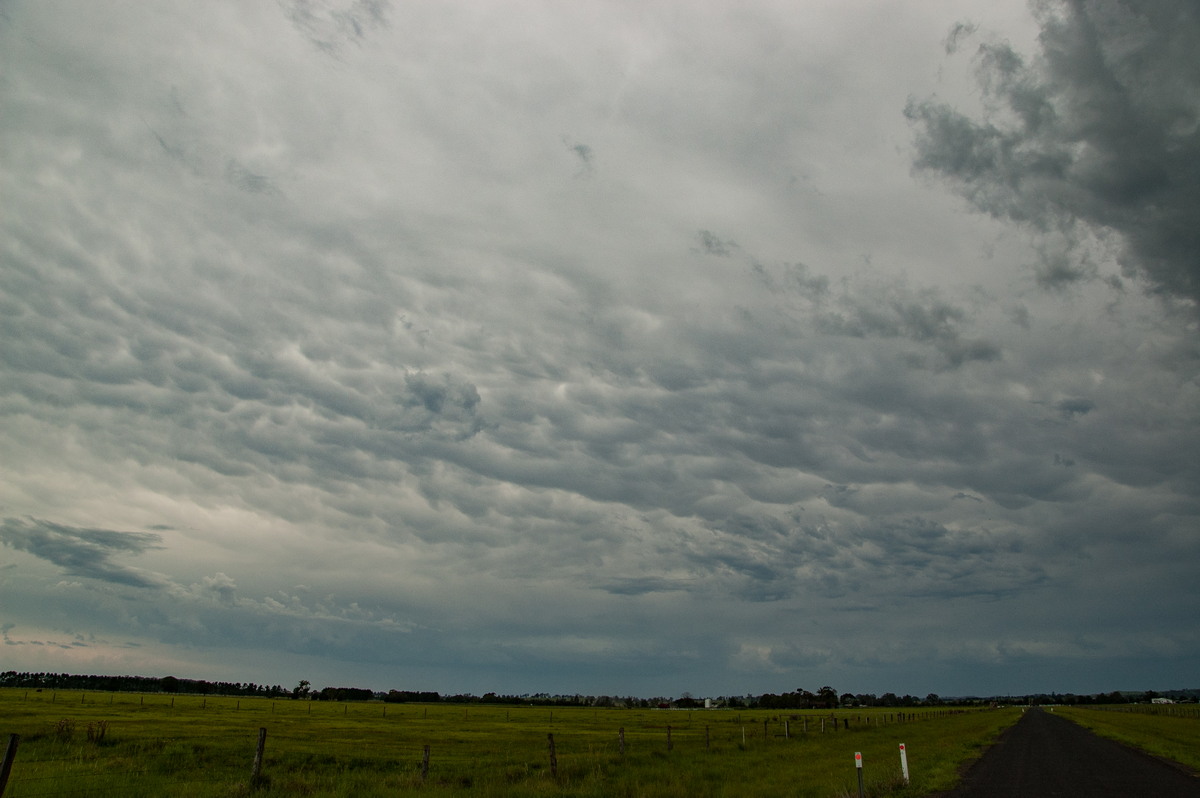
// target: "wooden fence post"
[[10, 753], [425, 763], [553, 756], [256, 772], [621, 740], [707, 739]]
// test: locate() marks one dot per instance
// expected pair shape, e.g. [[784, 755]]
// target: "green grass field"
[[159, 745], [1165, 731]]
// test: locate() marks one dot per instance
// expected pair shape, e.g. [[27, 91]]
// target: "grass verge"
[[1169, 736], [203, 747]]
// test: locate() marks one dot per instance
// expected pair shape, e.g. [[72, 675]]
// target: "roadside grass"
[[1170, 736], [203, 747]]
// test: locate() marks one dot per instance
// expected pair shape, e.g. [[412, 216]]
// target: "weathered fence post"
[[621, 740], [764, 729], [10, 753], [553, 756], [668, 737], [256, 777], [425, 763], [858, 767], [707, 738], [786, 730], [904, 762]]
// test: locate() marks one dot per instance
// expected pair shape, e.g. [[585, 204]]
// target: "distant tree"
[[302, 689]]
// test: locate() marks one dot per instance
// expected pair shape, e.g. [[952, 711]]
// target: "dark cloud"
[[958, 32], [638, 586], [1100, 129], [1075, 407], [711, 244], [247, 181], [332, 24], [897, 312], [82, 551]]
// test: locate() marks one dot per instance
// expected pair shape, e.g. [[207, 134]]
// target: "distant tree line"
[[824, 698], [137, 684]]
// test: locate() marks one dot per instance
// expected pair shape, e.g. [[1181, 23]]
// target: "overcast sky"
[[606, 347]]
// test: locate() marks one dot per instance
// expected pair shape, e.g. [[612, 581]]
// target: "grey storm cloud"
[[1098, 129], [380, 364], [83, 551]]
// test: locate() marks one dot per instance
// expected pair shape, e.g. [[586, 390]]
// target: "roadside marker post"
[[904, 762], [858, 768]]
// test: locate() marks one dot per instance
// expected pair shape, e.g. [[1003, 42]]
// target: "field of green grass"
[[1170, 732], [128, 745]]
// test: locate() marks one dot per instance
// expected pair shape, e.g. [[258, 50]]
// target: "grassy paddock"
[[77, 744], [1165, 731]]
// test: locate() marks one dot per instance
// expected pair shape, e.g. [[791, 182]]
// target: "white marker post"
[[858, 767], [904, 762]]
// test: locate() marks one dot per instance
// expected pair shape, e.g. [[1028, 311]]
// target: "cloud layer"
[[1098, 131], [622, 352]]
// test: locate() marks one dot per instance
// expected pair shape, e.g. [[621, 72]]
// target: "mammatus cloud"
[[1098, 131], [455, 351], [81, 551]]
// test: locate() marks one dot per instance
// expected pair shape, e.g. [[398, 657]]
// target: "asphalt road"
[[1045, 755]]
